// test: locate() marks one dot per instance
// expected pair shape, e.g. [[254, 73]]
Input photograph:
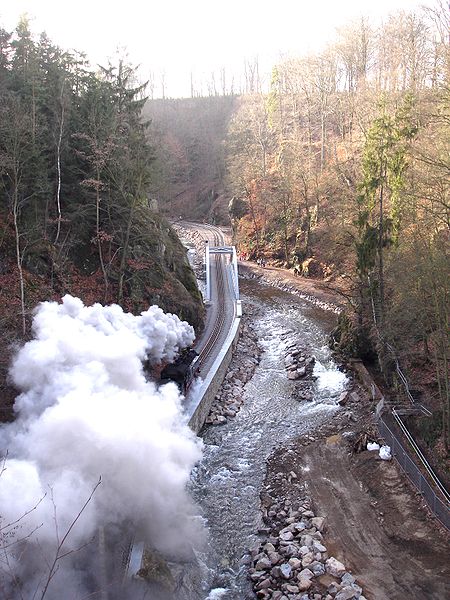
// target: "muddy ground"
[[376, 524]]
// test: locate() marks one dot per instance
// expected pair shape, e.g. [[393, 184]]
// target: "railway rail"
[[220, 295]]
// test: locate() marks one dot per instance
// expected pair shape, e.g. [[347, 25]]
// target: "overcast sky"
[[184, 36]]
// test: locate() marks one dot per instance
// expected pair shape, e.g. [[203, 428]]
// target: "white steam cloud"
[[87, 411]]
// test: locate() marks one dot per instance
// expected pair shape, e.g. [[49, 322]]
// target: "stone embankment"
[[292, 561], [229, 399]]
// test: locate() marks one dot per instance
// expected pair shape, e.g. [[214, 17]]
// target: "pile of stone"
[[196, 241], [229, 399], [297, 363], [293, 563]]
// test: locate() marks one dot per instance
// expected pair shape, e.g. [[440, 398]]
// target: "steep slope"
[[157, 272]]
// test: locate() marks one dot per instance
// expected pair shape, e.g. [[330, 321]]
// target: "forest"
[[337, 167], [342, 171], [76, 216]]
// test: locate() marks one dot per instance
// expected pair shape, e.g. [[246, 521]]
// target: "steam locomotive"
[[183, 370]]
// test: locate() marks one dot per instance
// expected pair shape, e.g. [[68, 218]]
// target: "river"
[[227, 482]]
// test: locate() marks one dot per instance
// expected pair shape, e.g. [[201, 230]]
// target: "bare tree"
[[15, 145]]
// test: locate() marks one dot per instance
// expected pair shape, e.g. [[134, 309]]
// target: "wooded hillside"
[[189, 170], [341, 171], [76, 164]]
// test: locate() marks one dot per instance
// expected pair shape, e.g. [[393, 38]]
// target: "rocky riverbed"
[[291, 561]]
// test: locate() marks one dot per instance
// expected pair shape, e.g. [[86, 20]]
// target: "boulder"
[[318, 547], [347, 593], [263, 564], [293, 375], [347, 579], [264, 584], [274, 558], [295, 563], [318, 523], [343, 398], [292, 589], [307, 540], [308, 514], [317, 568], [307, 559], [334, 567], [304, 583], [306, 574]]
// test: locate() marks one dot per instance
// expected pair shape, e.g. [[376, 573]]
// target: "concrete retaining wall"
[[200, 408]]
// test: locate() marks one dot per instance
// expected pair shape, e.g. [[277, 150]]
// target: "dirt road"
[[375, 524]]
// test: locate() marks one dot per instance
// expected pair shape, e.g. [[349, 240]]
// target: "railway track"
[[220, 299]]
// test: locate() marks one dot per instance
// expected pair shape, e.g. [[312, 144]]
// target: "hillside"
[[189, 135], [75, 173], [340, 171]]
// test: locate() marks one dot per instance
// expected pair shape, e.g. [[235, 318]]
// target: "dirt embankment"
[[330, 296], [376, 525]]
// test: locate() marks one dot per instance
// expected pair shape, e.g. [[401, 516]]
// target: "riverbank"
[[374, 523], [326, 295]]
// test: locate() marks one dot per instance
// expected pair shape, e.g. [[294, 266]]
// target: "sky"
[[180, 37]]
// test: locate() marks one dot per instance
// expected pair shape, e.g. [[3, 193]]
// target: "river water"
[[226, 484]]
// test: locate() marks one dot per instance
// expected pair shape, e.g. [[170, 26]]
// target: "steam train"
[[183, 370]]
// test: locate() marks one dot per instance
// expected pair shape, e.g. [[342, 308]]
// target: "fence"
[[439, 507]]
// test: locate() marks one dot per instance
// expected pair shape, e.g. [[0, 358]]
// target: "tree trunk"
[[18, 253], [380, 249], [97, 231], [124, 257], [58, 166]]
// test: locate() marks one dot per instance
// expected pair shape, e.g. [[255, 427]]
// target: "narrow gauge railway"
[[219, 320]]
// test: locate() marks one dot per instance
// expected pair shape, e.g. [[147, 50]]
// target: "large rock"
[[264, 584], [343, 398], [308, 559], [334, 567], [347, 579], [293, 375], [317, 568], [286, 536], [264, 563], [286, 570], [292, 589], [318, 547], [306, 574], [274, 558], [299, 526], [347, 593], [318, 523], [304, 583]]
